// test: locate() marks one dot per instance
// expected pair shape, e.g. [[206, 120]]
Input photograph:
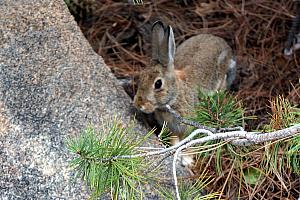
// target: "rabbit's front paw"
[[187, 160]]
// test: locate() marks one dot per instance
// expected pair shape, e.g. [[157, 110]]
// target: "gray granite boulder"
[[52, 85]]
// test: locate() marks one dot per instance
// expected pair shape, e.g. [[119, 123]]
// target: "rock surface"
[[52, 85]]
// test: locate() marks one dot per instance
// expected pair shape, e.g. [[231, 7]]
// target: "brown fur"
[[202, 52], [180, 74]]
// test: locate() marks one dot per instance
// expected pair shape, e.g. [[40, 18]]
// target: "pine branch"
[[241, 137], [171, 149], [236, 136]]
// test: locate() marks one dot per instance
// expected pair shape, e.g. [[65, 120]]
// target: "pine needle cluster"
[[97, 163], [246, 166], [219, 110], [104, 159], [283, 155], [192, 189]]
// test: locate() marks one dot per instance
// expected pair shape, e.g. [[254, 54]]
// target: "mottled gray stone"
[[52, 85]]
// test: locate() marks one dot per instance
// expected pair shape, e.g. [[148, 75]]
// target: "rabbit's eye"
[[158, 84]]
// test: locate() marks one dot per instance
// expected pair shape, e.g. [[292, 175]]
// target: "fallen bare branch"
[[238, 138]]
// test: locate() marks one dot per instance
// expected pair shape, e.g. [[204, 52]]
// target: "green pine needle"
[[252, 176], [165, 135], [121, 177], [190, 189], [283, 154], [219, 110]]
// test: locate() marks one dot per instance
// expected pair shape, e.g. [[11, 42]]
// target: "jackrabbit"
[[202, 62]]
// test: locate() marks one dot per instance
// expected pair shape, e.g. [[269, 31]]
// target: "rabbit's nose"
[[147, 108]]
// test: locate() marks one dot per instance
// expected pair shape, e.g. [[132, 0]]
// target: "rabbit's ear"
[[163, 44], [158, 34], [167, 49], [171, 46]]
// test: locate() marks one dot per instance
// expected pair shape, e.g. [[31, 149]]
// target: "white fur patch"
[[222, 56], [295, 47], [232, 64], [187, 160], [142, 108], [290, 51]]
